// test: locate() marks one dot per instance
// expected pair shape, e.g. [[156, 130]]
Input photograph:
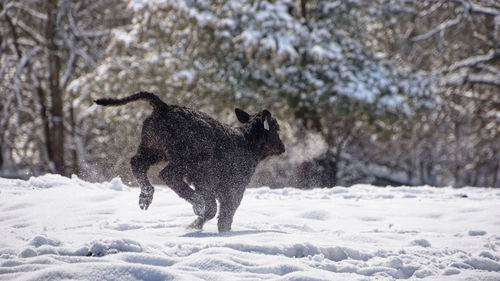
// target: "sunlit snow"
[[56, 228]]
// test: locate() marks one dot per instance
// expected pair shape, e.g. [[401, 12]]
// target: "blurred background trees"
[[383, 92], [44, 45]]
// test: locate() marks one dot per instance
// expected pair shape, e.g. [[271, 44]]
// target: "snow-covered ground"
[[56, 228]]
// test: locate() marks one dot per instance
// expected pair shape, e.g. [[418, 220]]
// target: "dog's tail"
[[152, 98]]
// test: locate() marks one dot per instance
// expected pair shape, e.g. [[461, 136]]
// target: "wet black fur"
[[216, 159]]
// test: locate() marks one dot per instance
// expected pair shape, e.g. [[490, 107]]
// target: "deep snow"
[[56, 228]]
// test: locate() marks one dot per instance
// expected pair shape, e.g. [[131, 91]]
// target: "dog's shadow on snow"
[[199, 234]]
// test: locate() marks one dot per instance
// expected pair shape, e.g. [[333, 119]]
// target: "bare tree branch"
[[19, 68], [438, 29], [5, 9], [70, 65], [15, 36], [32, 33], [85, 33], [432, 9], [26, 8], [5, 114], [467, 8]]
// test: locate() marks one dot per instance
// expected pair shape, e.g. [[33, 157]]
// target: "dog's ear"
[[242, 116]]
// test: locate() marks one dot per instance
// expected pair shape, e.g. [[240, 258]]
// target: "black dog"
[[214, 158]]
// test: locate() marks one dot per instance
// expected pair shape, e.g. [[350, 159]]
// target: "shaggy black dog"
[[217, 160]]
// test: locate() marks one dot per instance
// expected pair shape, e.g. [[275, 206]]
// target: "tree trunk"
[[45, 121], [496, 172], [74, 151], [57, 131], [303, 8]]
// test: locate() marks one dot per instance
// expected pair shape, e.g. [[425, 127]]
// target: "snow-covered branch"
[[489, 79], [473, 61], [477, 9]]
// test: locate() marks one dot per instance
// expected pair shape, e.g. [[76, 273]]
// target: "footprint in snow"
[[421, 242], [316, 215], [477, 232]]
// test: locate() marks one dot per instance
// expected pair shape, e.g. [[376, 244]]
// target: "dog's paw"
[[196, 225], [199, 206], [145, 200]]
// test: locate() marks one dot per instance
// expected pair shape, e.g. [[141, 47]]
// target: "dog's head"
[[263, 132]]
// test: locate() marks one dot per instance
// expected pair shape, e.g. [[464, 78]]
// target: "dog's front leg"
[[146, 197]]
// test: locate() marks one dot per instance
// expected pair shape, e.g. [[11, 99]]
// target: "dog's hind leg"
[[140, 165], [173, 175], [211, 210]]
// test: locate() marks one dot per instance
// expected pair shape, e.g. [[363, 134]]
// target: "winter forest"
[[382, 92]]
